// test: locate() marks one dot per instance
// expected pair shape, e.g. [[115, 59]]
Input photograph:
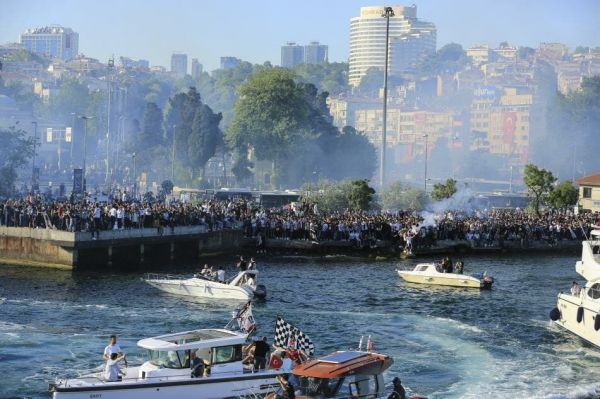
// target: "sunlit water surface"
[[447, 343]]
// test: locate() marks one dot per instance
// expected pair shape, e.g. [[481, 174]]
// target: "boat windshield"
[[318, 387], [170, 359]]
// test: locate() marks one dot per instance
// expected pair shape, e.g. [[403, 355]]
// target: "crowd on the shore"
[[302, 221], [116, 214]]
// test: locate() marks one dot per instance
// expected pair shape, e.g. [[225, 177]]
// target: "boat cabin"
[[423, 267], [169, 355], [342, 374]]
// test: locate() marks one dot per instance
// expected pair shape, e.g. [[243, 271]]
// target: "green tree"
[[72, 97], [564, 195], [448, 59], [361, 195], [204, 138], [152, 132], [444, 190], [15, 149], [539, 182], [270, 116]]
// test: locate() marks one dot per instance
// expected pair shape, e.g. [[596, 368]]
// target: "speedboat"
[[242, 287], [167, 372], [428, 273], [578, 311], [343, 374]]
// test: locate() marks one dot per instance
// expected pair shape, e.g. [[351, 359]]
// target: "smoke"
[[462, 203]]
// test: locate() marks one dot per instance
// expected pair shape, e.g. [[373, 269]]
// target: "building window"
[[587, 192]]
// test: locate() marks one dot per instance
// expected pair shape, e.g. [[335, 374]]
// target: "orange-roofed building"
[[589, 192]]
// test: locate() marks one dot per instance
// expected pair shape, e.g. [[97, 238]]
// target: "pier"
[[119, 249]]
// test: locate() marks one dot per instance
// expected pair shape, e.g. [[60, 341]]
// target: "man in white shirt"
[[112, 347], [112, 371]]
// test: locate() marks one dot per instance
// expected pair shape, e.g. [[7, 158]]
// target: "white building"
[[410, 40], [52, 41]]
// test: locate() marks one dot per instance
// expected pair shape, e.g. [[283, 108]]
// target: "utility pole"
[[134, 177], [34, 123], [426, 136], [387, 13], [111, 64], [85, 120]]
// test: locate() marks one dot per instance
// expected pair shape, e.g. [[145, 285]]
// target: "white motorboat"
[[167, 372], [578, 311], [242, 287], [428, 273]]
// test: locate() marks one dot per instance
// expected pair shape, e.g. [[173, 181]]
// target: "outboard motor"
[[488, 281], [260, 291]]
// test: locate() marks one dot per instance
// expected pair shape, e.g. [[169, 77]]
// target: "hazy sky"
[[254, 30]]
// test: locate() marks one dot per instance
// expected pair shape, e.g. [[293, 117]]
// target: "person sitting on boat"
[[287, 389], [112, 371], [444, 265], [249, 351], [399, 392], [212, 274], [459, 267], [252, 264], [112, 347], [197, 365], [205, 270], [221, 275], [575, 289]]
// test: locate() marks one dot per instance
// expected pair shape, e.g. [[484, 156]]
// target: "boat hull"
[[202, 288], [569, 306], [446, 279], [206, 388]]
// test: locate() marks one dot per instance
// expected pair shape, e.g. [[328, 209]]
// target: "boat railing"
[[164, 276], [98, 380]]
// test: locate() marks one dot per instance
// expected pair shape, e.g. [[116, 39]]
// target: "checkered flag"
[[290, 337]]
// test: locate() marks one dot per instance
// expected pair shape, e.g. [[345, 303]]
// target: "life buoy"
[[554, 314], [597, 322], [579, 314], [276, 362]]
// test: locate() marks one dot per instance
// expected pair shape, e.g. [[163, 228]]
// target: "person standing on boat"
[[112, 347], [221, 275], [242, 265], [197, 365], [459, 267], [252, 264], [575, 289], [261, 349]]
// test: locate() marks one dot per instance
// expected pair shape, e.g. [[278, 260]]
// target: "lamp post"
[[85, 120], [387, 13], [426, 136], [173, 157], [34, 123], [134, 177], [73, 115], [510, 182]]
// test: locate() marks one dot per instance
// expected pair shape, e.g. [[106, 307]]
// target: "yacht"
[[428, 273], [167, 372], [242, 287], [578, 310]]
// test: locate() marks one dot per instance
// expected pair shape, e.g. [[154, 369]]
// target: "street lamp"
[[387, 13], [510, 182], [85, 120], [34, 123], [134, 177], [426, 136], [173, 156]]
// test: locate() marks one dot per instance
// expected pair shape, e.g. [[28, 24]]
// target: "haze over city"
[[255, 30]]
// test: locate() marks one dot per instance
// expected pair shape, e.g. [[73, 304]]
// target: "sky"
[[254, 30]]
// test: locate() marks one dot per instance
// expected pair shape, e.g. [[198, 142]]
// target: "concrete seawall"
[[116, 248]]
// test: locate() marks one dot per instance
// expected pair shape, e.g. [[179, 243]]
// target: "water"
[[447, 343]]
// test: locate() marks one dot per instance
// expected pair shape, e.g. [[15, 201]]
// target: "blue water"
[[446, 343]]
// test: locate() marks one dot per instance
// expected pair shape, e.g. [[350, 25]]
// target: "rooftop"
[[591, 180]]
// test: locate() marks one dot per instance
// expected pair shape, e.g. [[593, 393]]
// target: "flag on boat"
[[290, 337], [244, 318]]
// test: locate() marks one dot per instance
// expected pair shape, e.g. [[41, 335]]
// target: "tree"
[[15, 150], [152, 132], [204, 138], [564, 195], [539, 182], [444, 190], [448, 59], [361, 195], [167, 186]]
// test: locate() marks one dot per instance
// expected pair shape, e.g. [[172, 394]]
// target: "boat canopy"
[[196, 339], [343, 363], [595, 234]]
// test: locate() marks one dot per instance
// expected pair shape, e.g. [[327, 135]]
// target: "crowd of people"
[[302, 221]]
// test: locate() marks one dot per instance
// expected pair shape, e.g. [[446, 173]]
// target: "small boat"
[[242, 287], [428, 273], [167, 372], [578, 311], [343, 374]]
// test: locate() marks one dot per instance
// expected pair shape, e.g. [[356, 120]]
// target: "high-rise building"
[[196, 68], [179, 64], [52, 41], [315, 53], [230, 62], [410, 40], [292, 54]]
